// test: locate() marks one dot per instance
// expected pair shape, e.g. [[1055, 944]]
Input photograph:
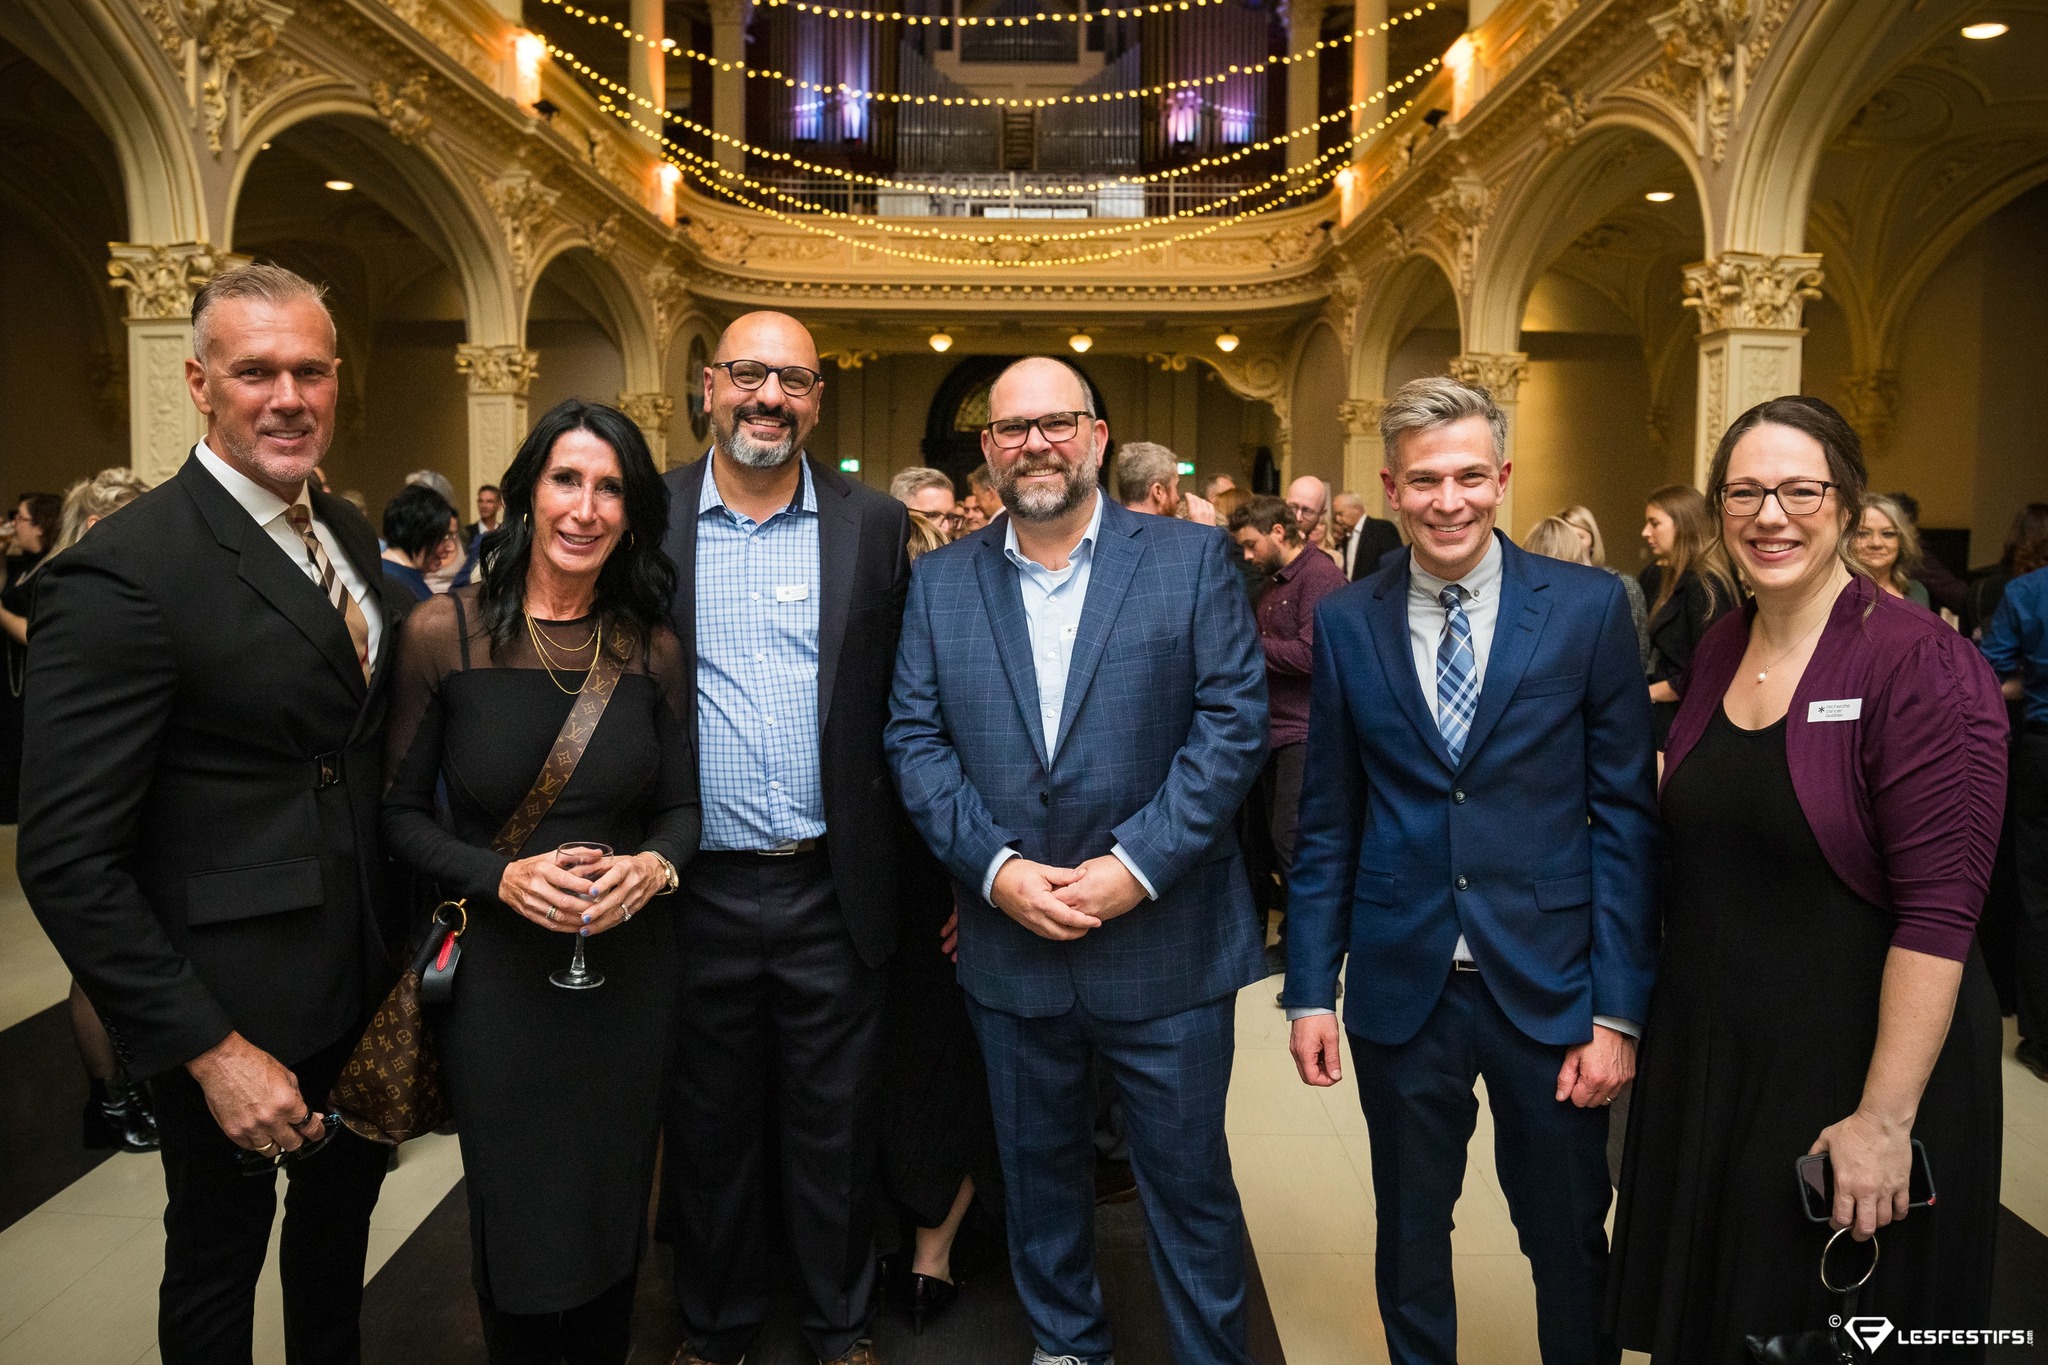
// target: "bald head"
[[764, 426], [1346, 511], [1042, 379], [769, 337], [1310, 499]]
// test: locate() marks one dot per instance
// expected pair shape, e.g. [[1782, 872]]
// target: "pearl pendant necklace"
[[1765, 672]]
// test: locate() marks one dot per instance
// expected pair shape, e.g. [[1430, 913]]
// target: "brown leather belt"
[[788, 850]]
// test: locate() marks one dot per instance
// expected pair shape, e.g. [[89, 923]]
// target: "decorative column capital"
[[507, 369], [1361, 416], [160, 281], [1746, 289], [1870, 401], [1500, 373], [649, 411]]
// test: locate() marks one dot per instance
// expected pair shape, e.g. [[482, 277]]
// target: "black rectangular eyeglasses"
[[796, 381]]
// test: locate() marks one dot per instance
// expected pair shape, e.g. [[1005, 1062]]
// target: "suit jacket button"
[[1462, 883], [1458, 797], [1045, 798]]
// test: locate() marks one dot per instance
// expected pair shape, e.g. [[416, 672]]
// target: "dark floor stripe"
[[2019, 1287], [42, 1091], [420, 1307]]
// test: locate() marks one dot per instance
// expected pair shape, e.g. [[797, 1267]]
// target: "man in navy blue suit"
[[1080, 708], [1478, 833]]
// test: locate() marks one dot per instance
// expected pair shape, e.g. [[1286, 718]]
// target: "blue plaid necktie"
[[1457, 677]]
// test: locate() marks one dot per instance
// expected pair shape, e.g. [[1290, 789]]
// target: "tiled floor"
[[78, 1275]]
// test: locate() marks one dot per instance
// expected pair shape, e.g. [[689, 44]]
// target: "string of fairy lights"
[[892, 185], [670, 46]]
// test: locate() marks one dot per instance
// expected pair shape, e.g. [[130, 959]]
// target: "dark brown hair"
[[2026, 545], [1838, 442]]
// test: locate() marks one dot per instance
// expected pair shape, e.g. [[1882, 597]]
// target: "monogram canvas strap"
[[577, 727]]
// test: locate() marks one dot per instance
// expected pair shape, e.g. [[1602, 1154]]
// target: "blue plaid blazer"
[[1162, 734]]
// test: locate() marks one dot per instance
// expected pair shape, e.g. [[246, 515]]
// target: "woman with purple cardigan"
[[1831, 803]]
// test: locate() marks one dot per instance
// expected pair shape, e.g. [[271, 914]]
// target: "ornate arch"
[[623, 309]]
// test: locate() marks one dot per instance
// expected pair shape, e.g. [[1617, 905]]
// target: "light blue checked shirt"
[[1053, 601], [758, 587]]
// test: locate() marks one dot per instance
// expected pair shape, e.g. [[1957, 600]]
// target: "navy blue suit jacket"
[[1539, 845], [1162, 733]]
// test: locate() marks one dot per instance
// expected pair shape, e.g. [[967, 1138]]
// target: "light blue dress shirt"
[[758, 585], [1053, 602]]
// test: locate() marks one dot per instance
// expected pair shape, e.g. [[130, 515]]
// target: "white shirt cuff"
[[995, 865], [1633, 1030], [1128, 862], [1295, 1012]]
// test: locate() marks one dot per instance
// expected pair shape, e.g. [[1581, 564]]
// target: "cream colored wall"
[[64, 421], [2012, 443], [1317, 447]]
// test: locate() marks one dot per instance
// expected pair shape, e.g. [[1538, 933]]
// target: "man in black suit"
[[791, 583], [1364, 540], [205, 696]]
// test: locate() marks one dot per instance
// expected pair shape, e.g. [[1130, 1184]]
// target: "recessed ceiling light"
[[341, 184], [941, 341], [1989, 29], [1080, 341], [1660, 196], [264, 148], [1226, 341]]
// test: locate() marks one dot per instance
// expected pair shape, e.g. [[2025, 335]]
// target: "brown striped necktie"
[[300, 515]]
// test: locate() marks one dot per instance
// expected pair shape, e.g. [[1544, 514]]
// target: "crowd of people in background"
[[1284, 740]]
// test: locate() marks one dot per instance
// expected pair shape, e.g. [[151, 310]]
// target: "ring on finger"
[[553, 914], [267, 1149]]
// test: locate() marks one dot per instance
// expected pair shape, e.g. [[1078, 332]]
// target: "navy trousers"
[[1420, 1109], [1173, 1075]]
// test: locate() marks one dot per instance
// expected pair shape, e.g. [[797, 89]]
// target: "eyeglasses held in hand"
[[1797, 497], [796, 381], [263, 1163], [1011, 432]]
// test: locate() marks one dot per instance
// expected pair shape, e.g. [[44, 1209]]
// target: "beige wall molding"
[[1870, 400]]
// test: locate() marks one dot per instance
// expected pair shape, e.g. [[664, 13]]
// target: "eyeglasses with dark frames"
[[1796, 497], [1055, 427], [796, 381]]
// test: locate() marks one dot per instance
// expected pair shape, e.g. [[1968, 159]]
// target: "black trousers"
[[1279, 796], [779, 1040], [217, 1230], [596, 1333], [2030, 858]]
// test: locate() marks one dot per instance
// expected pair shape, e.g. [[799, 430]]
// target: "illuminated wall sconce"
[[1080, 341], [941, 341], [1226, 341], [667, 176], [529, 50], [1462, 61]]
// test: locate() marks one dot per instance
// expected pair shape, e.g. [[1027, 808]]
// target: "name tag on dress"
[[792, 592], [1850, 708]]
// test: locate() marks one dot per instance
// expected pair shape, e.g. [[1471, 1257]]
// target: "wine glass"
[[580, 853]]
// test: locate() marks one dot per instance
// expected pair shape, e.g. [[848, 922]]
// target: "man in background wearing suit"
[[1364, 540], [789, 599], [1080, 708], [205, 701], [1478, 833]]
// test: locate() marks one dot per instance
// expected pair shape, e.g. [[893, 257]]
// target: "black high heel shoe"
[[117, 1114], [929, 1299]]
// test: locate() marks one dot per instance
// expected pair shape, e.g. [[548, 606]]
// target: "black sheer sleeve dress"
[[556, 1093]]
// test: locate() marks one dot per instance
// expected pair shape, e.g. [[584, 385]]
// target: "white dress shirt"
[[268, 511], [1426, 617], [1053, 601]]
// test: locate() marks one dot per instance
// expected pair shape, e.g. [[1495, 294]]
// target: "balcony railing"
[[1020, 196]]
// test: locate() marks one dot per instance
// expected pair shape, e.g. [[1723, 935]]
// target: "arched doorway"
[[573, 326]]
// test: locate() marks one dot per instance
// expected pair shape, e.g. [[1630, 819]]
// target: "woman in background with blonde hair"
[[1689, 587], [1886, 543], [1579, 520]]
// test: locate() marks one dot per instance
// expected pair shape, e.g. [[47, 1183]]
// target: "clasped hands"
[[1063, 903], [566, 898]]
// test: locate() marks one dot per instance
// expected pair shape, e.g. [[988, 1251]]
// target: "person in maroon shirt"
[[1266, 530]]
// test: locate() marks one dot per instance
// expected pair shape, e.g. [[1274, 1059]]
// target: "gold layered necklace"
[[550, 663]]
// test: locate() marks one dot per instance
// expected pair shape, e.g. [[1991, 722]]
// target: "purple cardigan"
[[1906, 800]]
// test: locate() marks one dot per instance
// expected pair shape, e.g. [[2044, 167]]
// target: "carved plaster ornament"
[[604, 238], [725, 240], [160, 281], [226, 48], [850, 359], [1340, 310], [506, 369], [1283, 246], [1563, 114], [648, 411], [428, 18], [404, 110], [1744, 289], [1361, 416], [666, 293], [521, 204], [1462, 213], [1500, 374], [1870, 400]]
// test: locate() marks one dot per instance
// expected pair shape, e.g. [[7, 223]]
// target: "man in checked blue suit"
[[1477, 832], [1080, 708]]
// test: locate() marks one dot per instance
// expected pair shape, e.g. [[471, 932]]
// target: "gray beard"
[[1045, 504], [743, 449]]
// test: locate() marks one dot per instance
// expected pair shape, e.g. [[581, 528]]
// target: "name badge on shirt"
[[792, 592], [1850, 708]]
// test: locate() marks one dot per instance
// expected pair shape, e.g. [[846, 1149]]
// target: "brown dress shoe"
[[687, 1355], [862, 1352]]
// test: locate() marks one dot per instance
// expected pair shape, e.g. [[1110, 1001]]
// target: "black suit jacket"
[[203, 769], [865, 573], [1377, 538]]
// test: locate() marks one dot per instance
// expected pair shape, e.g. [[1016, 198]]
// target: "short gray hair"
[[1139, 465], [436, 480], [257, 280], [1438, 400], [908, 483]]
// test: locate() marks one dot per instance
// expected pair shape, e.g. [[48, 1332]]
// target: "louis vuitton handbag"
[[390, 1090]]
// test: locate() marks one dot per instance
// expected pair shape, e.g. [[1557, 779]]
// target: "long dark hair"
[[1695, 548], [637, 585], [1838, 442]]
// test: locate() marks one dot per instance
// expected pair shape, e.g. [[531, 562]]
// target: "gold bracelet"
[[668, 871]]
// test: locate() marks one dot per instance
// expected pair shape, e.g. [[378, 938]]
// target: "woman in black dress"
[[556, 1092], [35, 530], [1688, 588], [1831, 805]]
